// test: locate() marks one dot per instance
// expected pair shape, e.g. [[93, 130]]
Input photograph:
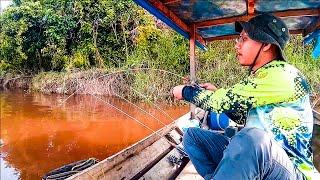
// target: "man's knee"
[[247, 156], [189, 136], [255, 138], [251, 142]]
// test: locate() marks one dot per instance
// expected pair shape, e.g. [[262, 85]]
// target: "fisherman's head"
[[262, 37]]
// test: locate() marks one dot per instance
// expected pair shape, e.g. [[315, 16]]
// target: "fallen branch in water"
[[8, 80]]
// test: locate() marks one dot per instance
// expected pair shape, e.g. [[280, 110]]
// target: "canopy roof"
[[214, 19]]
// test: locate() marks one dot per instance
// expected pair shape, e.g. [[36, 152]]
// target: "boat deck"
[[155, 157]]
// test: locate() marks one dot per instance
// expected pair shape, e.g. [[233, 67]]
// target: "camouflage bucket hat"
[[266, 28]]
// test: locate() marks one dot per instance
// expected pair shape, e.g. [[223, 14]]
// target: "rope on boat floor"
[[70, 169]]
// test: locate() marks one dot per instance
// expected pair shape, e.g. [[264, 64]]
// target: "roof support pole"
[[192, 63]]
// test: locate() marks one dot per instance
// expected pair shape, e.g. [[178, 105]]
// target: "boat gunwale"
[[121, 156]]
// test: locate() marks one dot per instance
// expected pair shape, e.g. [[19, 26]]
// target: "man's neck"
[[257, 66], [263, 60]]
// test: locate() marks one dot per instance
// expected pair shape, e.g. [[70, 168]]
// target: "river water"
[[40, 132]]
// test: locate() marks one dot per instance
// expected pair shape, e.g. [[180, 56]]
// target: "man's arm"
[[262, 89]]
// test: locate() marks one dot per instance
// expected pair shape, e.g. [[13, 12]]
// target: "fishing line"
[[123, 71], [135, 119], [140, 94], [140, 109]]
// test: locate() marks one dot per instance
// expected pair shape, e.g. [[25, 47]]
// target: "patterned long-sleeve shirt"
[[276, 99]]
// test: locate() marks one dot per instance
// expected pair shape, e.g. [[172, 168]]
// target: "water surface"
[[40, 132]]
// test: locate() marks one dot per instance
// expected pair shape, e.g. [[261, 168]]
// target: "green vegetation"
[[64, 43], [55, 35]]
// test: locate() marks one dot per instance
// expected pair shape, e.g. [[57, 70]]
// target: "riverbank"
[[135, 84], [154, 76], [15, 81]]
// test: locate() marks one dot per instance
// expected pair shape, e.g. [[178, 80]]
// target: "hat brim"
[[258, 35]]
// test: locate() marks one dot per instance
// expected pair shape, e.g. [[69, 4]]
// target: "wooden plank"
[[288, 13], [170, 1], [200, 39], [121, 156], [175, 139], [174, 136], [298, 13], [163, 169], [250, 6], [226, 37], [192, 63], [296, 31], [234, 36], [220, 21], [167, 12], [135, 164], [189, 173]]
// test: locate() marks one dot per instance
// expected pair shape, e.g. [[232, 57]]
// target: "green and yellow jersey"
[[276, 99]]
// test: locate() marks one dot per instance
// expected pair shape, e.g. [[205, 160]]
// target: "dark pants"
[[251, 154]]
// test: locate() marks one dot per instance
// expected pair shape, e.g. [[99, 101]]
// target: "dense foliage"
[[58, 34]]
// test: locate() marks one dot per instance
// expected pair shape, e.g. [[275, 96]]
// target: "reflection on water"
[[39, 134]]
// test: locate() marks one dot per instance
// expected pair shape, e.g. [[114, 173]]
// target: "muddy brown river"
[[40, 133]]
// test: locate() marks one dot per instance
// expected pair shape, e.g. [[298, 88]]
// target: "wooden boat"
[[200, 22], [150, 158], [146, 159]]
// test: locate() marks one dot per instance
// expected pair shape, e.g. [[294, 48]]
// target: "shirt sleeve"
[[261, 89]]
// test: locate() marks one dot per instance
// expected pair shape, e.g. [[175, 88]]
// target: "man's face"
[[246, 49]]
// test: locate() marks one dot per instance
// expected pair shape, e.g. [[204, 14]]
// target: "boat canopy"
[[202, 21], [214, 20]]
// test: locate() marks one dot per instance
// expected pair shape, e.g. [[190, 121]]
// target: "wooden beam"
[[167, 12], [192, 62], [288, 13], [166, 2], [226, 37], [192, 53], [220, 21], [200, 39], [297, 12], [312, 27], [250, 7], [233, 36], [297, 31]]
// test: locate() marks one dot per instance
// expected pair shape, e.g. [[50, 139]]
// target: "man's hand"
[[208, 86], [177, 92]]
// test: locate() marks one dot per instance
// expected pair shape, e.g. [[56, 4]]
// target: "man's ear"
[[267, 47]]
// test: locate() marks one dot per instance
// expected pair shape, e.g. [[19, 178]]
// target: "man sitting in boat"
[[272, 102]]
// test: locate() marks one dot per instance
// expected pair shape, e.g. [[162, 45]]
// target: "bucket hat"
[[266, 28]]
